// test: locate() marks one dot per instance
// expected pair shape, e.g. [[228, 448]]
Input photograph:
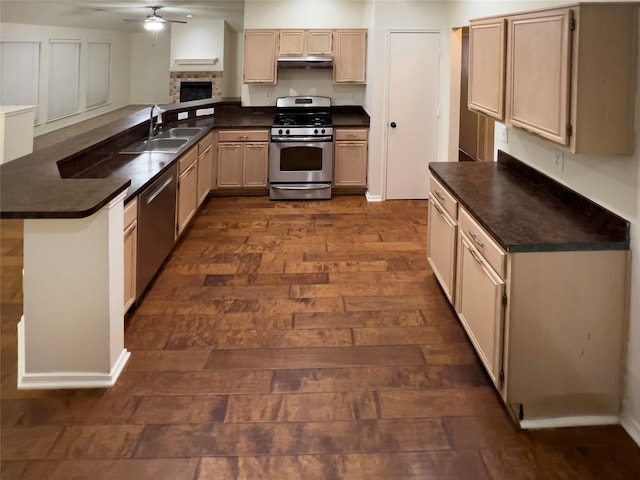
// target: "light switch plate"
[[183, 115], [201, 112]]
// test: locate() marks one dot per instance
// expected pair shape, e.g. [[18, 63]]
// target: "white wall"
[[198, 39], [305, 14], [150, 68], [611, 181], [120, 67], [232, 75]]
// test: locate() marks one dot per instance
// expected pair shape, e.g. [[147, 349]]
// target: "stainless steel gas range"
[[301, 150]]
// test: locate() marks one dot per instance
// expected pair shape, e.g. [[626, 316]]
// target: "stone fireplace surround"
[[175, 78]]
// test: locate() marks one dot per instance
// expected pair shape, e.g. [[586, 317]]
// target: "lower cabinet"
[[242, 159], [187, 188], [130, 252], [480, 307], [350, 158], [547, 325], [205, 166]]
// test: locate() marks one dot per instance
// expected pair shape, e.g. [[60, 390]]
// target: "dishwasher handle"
[[159, 190]]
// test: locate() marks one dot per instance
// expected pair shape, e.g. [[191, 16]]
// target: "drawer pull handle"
[[475, 238], [475, 256], [435, 205], [439, 195]]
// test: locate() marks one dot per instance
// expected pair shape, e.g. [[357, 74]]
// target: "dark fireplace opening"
[[195, 90]]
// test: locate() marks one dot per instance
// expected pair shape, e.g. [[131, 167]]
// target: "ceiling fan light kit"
[[153, 24]]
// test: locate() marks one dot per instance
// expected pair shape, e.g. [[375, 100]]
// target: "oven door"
[[300, 161]]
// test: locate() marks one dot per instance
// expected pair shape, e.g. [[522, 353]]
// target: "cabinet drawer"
[[482, 242], [447, 200], [205, 143], [187, 159], [243, 136], [351, 135], [130, 212]]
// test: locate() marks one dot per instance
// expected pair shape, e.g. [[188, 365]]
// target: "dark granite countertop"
[[526, 211], [76, 178]]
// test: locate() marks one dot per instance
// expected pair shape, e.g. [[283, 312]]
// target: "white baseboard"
[[632, 427], [373, 198], [55, 380], [579, 421]]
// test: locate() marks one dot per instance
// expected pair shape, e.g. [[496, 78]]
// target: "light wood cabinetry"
[[242, 159], [187, 188], [205, 165], [260, 48], [442, 236], [130, 252], [487, 54], [350, 56], [570, 74], [305, 42], [350, 158], [547, 325], [479, 294], [319, 42]]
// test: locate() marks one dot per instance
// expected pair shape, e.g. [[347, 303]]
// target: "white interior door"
[[412, 112]]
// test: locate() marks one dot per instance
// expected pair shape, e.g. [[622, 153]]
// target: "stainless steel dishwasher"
[[156, 227]]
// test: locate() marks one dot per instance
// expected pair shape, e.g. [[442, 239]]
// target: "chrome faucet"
[[153, 126]]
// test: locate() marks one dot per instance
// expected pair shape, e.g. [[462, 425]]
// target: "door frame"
[[385, 106]]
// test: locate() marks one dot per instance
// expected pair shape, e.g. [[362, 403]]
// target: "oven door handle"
[[326, 138], [322, 186]]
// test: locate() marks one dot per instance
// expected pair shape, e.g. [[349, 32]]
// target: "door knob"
[[393, 124]]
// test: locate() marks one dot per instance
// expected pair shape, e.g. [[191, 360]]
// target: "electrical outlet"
[[201, 112], [210, 111], [353, 95], [183, 115], [558, 160], [267, 95], [504, 134]]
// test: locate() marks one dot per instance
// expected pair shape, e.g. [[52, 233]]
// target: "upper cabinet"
[[305, 42], [347, 47], [487, 53], [350, 56], [260, 56], [570, 74]]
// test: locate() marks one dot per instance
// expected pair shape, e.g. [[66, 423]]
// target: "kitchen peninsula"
[[72, 198]]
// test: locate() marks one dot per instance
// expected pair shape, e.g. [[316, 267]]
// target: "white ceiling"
[[109, 15]]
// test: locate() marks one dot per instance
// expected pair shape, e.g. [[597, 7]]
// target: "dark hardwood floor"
[[289, 340]]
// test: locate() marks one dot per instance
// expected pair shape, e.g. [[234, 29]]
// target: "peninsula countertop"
[[75, 178], [526, 211]]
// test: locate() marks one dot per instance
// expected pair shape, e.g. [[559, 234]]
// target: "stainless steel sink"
[[157, 144], [180, 132]]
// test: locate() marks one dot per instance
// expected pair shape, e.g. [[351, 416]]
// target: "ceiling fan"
[[155, 22]]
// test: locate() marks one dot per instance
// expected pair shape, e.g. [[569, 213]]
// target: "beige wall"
[[150, 68], [120, 67]]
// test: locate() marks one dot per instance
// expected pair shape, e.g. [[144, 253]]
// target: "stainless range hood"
[[305, 62]]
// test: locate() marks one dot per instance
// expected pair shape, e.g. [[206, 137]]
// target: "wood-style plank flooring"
[[289, 340]]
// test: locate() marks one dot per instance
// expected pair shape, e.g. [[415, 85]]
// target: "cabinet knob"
[[393, 125]]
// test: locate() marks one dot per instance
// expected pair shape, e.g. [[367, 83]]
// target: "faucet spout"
[[153, 125]]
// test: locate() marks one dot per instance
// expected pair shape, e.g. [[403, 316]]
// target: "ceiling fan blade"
[[131, 20], [175, 21]]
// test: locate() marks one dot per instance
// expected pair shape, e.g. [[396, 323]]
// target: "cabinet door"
[[480, 307], [487, 49], [130, 252], [229, 165], [350, 57], [350, 164], [441, 247], [255, 156], [291, 42], [205, 163], [319, 42], [260, 56], [187, 195], [539, 73]]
